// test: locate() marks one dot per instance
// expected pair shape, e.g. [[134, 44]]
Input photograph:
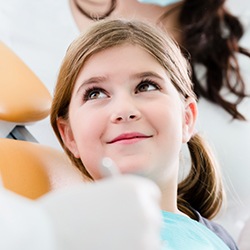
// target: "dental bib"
[[180, 232]]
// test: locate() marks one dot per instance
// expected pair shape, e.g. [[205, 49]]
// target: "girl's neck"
[[169, 201]]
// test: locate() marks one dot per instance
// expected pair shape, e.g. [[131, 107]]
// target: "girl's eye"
[[147, 85], [94, 93]]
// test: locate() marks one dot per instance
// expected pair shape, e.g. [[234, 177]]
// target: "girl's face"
[[124, 106]]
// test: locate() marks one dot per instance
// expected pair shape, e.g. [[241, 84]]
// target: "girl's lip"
[[129, 136]]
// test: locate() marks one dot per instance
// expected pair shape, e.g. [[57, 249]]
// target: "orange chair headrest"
[[23, 97]]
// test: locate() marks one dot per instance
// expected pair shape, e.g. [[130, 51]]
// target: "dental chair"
[[31, 169], [27, 167], [23, 97]]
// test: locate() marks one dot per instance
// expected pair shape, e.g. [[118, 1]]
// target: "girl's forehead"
[[120, 58], [123, 52]]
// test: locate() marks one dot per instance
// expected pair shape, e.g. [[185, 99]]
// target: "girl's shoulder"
[[218, 230]]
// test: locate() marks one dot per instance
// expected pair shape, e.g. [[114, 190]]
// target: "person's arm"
[[117, 213]]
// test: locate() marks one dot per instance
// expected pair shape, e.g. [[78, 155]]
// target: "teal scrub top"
[[183, 233]]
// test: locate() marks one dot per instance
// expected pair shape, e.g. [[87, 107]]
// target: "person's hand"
[[244, 240], [116, 213]]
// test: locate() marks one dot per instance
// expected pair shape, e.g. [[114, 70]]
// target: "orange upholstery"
[[31, 169], [23, 97]]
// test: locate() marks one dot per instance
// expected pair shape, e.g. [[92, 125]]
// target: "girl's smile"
[[129, 138]]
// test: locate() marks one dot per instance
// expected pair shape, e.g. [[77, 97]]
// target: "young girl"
[[124, 92]]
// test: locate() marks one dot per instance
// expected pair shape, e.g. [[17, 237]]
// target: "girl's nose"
[[125, 112], [125, 118]]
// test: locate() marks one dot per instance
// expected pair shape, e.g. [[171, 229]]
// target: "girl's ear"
[[190, 115], [67, 136]]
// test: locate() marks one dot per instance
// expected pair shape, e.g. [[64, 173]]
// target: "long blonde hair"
[[202, 189]]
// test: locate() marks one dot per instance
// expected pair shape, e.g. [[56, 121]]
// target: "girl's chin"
[[152, 173], [138, 169], [132, 164], [143, 171]]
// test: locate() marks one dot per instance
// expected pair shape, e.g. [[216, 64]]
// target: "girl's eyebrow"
[[100, 79], [147, 74], [92, 80]]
